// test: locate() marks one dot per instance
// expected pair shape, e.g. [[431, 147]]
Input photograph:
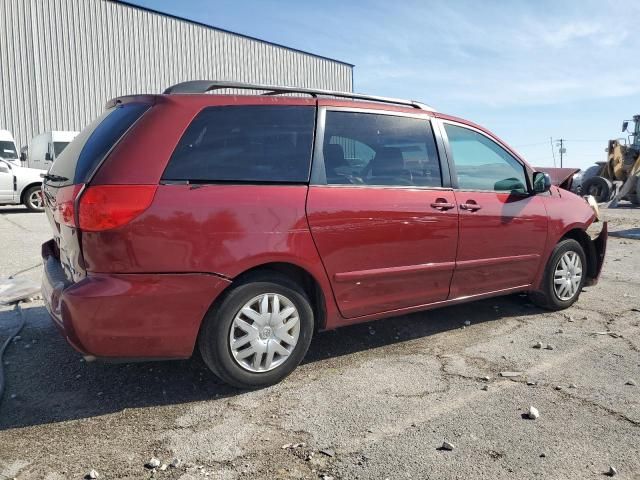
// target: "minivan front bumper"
[[129, 316]]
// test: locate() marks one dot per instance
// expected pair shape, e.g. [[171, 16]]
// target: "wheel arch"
[[297, 274], [581, 236], [26, 189]]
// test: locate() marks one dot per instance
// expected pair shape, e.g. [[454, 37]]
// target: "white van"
[[8, 150], [46, 147]]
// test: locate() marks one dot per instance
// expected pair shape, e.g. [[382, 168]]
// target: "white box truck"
[[46, 147]]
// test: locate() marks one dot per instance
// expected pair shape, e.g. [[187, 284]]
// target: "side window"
[[482, 164], [374, 149], [246, 144]]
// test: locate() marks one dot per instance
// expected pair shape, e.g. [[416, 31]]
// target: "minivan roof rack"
[[203, 86]]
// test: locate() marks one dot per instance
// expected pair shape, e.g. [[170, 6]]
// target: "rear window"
[[245, 144], [80, 158]]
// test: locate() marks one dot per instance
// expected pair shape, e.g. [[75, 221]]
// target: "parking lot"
[[369, 401]]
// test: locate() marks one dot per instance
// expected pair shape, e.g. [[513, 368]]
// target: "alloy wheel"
[[567, 275], [35, 199]]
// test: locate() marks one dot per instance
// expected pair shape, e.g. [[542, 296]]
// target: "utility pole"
[[562, 150]]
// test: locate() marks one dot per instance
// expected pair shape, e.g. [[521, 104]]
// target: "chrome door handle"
[[472, 207], [442, 204]]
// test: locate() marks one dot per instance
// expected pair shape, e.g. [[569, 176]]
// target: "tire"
[[33, 199], [551, 297], [635, 197], [600, 187], [220, 326]]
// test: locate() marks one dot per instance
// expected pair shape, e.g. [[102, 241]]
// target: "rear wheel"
[[258, 333], [600, 187], [33, 199], [564, 277]]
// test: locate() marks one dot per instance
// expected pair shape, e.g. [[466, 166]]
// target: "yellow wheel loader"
[[619, 177]]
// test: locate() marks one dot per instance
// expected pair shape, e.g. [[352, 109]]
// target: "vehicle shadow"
[[631, 233], [11, 210], [47, 381]]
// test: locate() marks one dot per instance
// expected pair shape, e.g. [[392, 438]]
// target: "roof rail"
[[203, 86]]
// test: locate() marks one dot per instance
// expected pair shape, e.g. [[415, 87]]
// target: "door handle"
[[471, 206], [442, 204]]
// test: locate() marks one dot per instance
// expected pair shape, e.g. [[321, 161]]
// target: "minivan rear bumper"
[[129, 315]]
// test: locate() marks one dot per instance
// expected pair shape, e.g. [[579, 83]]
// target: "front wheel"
[[33, 199], [564, 277], [258, 333]]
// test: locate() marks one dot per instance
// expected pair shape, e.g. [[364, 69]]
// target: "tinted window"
[[482, 164], [246, 144], [8, 150], [58, 147], [372, 149], [78, 161]]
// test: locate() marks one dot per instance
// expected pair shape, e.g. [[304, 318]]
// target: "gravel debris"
[[631, 382], [533, 413], [467, 323], [447, 446], [531, 383], [328, 452], [538, 345], [510, 374], [153, 463], [92, 474], [549, 347], [485, 388], [558, 387], [573, 385], [175, 463], [612, 471]]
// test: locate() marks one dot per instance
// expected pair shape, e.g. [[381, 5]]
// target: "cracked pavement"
[[382, 396]]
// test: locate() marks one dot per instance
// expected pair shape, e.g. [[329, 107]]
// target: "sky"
[[527, 70]]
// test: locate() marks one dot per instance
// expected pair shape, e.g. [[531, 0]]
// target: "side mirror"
[[47, 157], [23, 157], [541, 182], [625, 124]]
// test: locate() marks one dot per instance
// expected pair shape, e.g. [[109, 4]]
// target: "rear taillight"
[[64, 211], [109, 206]]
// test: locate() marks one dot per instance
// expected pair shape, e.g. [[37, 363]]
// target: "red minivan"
[[245, 223]]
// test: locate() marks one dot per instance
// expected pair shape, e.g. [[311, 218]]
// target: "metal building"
[[63, 59]]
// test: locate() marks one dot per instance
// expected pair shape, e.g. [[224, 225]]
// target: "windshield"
[[58, 147], [8, 150]]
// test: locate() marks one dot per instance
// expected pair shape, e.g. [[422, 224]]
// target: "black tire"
[[29, 202], [635, 197], [214, 342], [547, 297], [600, 187]]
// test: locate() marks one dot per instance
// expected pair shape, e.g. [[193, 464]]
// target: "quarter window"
[[246, 144], [376, 149], [482, 164]]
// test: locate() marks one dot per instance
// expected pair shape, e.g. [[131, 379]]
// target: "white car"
[[21, 185]]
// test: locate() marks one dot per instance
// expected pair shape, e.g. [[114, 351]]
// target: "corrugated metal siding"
[[61, 60]]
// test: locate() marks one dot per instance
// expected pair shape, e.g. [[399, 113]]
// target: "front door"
[[385, 226], [503, 228]]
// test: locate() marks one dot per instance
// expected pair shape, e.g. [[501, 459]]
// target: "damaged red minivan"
[[244, 223]]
